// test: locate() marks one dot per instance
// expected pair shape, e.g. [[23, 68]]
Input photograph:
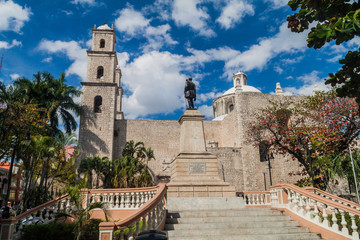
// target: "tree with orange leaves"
[[309, 129]]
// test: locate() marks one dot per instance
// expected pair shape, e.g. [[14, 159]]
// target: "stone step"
[[223, 213], [238, 231], [205, 203], [231, 225], [303, 236], [240, 219]]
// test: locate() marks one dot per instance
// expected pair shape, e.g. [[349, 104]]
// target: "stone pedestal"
[[194, 172]]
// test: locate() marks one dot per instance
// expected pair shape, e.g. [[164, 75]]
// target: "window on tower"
[[100, 73], [102, 43], [97, 104], [231, 107]]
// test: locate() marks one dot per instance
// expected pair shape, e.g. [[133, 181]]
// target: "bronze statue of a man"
[[190, 92]]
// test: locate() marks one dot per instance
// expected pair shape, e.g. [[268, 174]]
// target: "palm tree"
[[86, 166], [133, 149], [53, 95], [82, 214], [97, 164]]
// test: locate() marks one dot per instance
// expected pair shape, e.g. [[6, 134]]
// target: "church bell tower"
[[101, 99]]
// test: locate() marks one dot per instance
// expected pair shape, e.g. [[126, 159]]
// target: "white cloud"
[[260, 54], [189, 13], [14, 76], [157, 37], [155, 83], [47, 60], [207, 111], [354, 43], [275, 4], [123, 58], [131, 22], [234, 12], [336, 58], [203, 97], [7, 45], [72, 50], [135, 25], [310, 82], [84, 2], [278, 69], [288, 61], [13, 16]]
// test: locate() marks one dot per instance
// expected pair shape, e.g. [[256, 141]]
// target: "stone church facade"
[[104, 130]]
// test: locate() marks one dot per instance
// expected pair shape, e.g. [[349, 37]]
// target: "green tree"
[[133, 149], [81, 213], [97, 164], [324, 123], [55, 96], [338, 21]]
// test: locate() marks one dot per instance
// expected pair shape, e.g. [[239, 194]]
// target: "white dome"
[[245, 88]]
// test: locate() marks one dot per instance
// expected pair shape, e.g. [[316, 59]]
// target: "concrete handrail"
[[334, 197], [256, 198], [11, 228], [152, 214], [316, 197], [315, 209]]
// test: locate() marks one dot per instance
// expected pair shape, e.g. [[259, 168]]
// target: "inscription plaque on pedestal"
[[197, 167]]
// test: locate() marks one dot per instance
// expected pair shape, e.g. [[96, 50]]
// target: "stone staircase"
[[225, 223]]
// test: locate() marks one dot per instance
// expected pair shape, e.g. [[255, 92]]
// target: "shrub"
[[52, 231]]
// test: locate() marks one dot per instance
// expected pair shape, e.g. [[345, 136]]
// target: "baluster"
[[149, 219], [143, 220], [299, 204], [344, 229], [41, 212], [146, 197], [105, 200], [111, 202], [289, 198], [252, 199], [142, 198], [127, 200], [307, 208], [131, 232], [33, 215], [137, 229], [117, 202], [138, 203], [355, 233], [316, 212], [93, 198], [257, 199], [122, 200], [335, 226], [325, 215], [132, 200], [67, 203], [121, 234], [293, 200]]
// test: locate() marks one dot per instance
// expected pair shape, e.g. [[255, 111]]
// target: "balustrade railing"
[[113, 199], [128, 198], [255, 198], [332, 213], [151, 215], [333, 197], [44, 213]]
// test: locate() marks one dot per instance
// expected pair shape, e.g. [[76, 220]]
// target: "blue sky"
[[162, 42]]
